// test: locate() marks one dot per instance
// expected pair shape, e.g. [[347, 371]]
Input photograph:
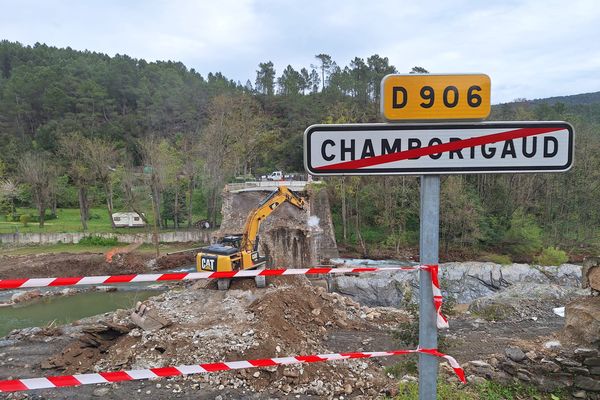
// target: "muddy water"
[[65, 309]]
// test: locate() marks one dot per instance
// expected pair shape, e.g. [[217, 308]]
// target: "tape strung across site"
[[153, 373], [23, 283]]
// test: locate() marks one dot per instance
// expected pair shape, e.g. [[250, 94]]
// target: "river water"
[[65, 309]]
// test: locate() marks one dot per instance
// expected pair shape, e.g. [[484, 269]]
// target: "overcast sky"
[[530, 49]]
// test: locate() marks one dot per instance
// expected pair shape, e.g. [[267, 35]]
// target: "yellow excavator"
[[240, 251]]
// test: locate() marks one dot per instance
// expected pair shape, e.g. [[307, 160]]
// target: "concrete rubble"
[[289, 317]]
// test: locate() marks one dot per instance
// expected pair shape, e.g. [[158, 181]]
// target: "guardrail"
[[265, 185]]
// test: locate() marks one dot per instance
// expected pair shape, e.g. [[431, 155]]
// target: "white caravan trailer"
[[128, 219]]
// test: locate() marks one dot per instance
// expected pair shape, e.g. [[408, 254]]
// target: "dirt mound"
[[290, 317], [171, 261], [45, 265], [86, 264], [83, 353]]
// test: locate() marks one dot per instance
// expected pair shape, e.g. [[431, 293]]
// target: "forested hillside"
[[82, 129], [576, 99]]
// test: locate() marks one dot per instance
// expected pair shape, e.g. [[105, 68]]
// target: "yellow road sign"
[[430, 97]]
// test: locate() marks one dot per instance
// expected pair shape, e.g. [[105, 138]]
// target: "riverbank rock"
[[465, 281], [582, 320], [23, 297]]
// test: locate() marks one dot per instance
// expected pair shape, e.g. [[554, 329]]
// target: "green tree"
[[75, 152], [378, 68], [418, 70], [37, 172], [9, 192], [265, 78], [460, 214], [326, 66], [101, 157], [290, 82]]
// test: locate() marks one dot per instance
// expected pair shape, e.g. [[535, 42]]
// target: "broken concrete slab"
[[148, 318]]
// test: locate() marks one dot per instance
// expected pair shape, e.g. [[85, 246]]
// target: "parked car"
[[277, 176]]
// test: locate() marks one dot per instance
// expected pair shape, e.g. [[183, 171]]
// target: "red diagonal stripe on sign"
[[439, 148]]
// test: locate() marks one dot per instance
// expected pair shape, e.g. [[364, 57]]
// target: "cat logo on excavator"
[[207, 263]]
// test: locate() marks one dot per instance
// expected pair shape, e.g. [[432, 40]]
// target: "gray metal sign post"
[[428, 254]]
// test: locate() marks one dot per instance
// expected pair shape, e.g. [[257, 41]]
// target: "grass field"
[[68, 221]]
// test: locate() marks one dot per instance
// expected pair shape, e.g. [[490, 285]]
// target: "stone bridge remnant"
[[289, 238]]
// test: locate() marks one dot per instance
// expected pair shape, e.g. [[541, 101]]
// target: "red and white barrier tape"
[[153, 373], [185, 276], [442, 321], [23, 283]]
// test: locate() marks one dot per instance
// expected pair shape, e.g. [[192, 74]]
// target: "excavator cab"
[[226, 256], [240, 251]]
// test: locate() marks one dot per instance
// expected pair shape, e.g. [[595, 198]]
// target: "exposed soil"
[[86, 264], [492, 337], [290, 317]]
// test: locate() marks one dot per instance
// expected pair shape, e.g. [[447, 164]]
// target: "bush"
[[25, 219], [5, 206], [99, 241], [501, 259], [13, 217], [47, 217], [524, 237], [552, 256]]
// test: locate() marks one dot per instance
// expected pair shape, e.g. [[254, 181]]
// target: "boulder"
[[587, 383], [591, 273], [386, 289], [593, 277], [515, 353], [582, 320]]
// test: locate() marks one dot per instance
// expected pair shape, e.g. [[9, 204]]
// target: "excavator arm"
[[281, 195]]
